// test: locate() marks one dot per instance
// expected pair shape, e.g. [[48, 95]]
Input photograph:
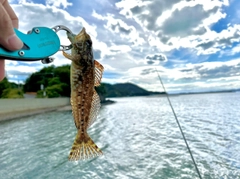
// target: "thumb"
[[2, 69], [8, 38]]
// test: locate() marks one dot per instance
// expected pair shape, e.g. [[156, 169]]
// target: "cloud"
[[194, 45], [190, 77], [184, 21], [59, 3], [156, 59], [117, 26], [206, 45], [182, 24], [147, 71], [204, 71], [233, 51], [19, 72], [48, 16]]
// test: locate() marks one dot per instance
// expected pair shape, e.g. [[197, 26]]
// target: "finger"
[[11, 14], [8, 37], [2, 69]]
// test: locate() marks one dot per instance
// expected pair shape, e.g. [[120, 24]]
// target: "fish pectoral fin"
[[98, 73], [68, 56], [71, 57], [85, 149]]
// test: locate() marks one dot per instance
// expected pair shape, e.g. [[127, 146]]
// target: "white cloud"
[[118, 26], [132, 38], [59, 3], [98, 16], [40, 15], [233, 51], [120, 48], [182, 24], [190, 77], [21, 69]]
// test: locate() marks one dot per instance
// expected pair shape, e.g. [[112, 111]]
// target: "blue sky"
[[194, 45]]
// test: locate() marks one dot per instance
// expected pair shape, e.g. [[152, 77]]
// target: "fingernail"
[[14, 42]]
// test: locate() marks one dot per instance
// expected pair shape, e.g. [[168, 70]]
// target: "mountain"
[[125, 89]]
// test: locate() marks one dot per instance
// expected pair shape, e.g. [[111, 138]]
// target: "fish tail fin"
[[83, 148]]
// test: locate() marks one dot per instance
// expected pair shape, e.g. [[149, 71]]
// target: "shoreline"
[[17, 108], [11, 109], [26, 113]]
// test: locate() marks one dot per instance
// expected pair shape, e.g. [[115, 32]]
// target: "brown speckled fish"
[[86, 73]]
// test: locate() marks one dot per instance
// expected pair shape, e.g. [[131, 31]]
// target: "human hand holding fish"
[[86, 74]]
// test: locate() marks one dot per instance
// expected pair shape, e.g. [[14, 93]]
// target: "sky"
[[194, 45]]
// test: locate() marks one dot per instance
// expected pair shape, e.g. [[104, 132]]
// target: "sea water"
[[139, 137]]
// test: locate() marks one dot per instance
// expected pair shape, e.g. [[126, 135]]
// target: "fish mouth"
[[82, 32], [82, 36]]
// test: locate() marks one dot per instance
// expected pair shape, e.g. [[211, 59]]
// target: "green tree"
[[53, 78], [101, 90], [53, 81], [34, 81], [4, 84], [63, 72], [54, 91]]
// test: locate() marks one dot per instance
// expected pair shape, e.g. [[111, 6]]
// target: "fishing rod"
[[179, 126]]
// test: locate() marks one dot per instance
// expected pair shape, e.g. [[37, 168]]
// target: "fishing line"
[[179, 126]]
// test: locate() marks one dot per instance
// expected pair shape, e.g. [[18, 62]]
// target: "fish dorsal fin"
[[98, 73], [95, 107]]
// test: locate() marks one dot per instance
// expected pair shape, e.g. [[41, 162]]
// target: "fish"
[[86, 74]]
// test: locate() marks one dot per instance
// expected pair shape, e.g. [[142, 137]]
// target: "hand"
[[8, 38]]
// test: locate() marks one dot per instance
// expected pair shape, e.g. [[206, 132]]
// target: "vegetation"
[[126, 89], [12, 93], [52, 82], [56, 90], [55, 80], [101, 90], [9, 90], [4, 84]]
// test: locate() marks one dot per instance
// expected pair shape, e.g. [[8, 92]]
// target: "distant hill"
[[126, 89]]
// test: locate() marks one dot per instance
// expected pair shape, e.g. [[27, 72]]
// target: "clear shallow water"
[[139, 137]]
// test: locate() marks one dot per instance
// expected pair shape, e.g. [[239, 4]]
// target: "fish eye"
[[88, 43]]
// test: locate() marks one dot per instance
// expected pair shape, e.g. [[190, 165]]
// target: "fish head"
[[82, 45]]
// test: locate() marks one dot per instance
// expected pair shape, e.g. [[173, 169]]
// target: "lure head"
[[82, 45]]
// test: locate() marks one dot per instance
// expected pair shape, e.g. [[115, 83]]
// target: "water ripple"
[[139, 137]]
